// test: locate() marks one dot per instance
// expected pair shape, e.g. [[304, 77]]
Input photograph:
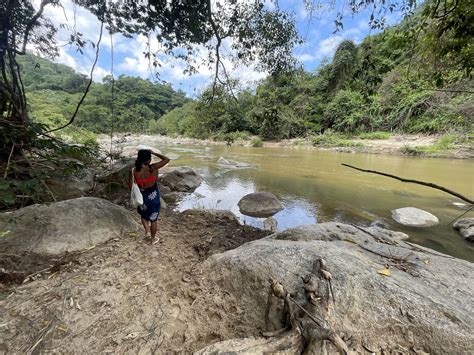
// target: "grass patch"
[[374, 135], [442, 145], [334, 140], [256, 142], [407, 150], [299, 142]]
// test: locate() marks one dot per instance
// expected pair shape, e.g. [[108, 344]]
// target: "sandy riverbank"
[[126, 295]]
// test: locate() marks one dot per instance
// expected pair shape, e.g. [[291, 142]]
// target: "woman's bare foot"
[[154, 241]]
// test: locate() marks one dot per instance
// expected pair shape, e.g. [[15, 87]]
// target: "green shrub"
[[346, 111], [442, 145], [433, 121], [80, 136], [298, 142], [240, 135], [157, 127], [256, 142], [334, 140]]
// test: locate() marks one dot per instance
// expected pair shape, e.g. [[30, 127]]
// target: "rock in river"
[[465, 226], [63, 226], [182, 179], [260, 204], [389, 295], [414, 217]]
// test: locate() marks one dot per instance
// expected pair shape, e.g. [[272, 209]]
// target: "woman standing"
[[146, 177]]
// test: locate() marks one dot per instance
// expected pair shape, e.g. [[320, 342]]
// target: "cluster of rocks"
[[78, 222], [415, 217]]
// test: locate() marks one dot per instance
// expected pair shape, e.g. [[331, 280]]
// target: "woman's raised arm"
[[164, 160]]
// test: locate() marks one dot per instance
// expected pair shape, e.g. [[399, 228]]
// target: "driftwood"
[[429, 184], [311, 320]]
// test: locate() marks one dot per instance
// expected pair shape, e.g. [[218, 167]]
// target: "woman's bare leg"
[[145, 225], [154, 227]]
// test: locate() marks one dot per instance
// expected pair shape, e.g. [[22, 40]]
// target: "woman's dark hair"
[[143, 156]]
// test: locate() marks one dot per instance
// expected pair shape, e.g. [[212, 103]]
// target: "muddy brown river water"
[[314, 187]]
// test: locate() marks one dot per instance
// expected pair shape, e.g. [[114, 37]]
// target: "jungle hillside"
[[372, 89]]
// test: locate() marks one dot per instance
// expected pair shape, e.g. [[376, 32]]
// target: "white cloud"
[[328, 46], [65, 58], [99, 73], [305, 57]]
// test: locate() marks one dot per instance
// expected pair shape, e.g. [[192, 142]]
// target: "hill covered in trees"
[[374, 86], [378, 85], [54, 90]]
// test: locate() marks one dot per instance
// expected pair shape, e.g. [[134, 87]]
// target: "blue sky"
[[316, 30]]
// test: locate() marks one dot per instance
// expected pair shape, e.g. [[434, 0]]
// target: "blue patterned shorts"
[[150, 209]]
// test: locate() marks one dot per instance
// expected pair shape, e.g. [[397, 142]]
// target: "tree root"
[[311, 321]]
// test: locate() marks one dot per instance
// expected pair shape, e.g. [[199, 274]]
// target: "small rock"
[[163, 204], [379, 223], [164, 190], [173, 197], [260, 204], [465, 226], [222, 160], [414, 217], [232, 164], [270, 224]]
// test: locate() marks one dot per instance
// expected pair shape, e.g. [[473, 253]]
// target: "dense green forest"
[[54, 90], [374, 86], [364, 88]]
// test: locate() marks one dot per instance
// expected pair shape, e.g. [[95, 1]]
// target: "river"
[[314, 188]]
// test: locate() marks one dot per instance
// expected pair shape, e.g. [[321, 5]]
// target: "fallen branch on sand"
[[429, 184]]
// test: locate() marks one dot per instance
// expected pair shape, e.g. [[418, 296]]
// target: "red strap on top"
[[141, 182]]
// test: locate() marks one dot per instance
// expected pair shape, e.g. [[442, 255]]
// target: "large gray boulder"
[[260, 204], [117, 175], [73, 186], [465, 226], [414, 217], [422, 301], [69, 225], [76, 183], [181, 179]]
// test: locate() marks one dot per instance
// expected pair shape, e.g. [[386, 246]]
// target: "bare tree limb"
[[218, 57], [429, 184], [8, 162], [32, 22], [86, 91], [219, 40]]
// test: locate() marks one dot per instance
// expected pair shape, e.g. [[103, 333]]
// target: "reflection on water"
[[225, 192], [314, 187]]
